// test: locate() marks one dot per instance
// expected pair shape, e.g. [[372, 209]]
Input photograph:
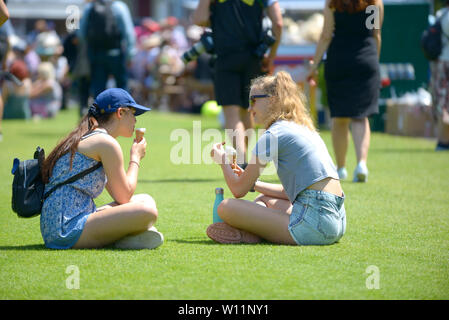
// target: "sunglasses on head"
[[252, 99]]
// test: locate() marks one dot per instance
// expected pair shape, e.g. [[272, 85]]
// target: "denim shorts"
[[317, 218]]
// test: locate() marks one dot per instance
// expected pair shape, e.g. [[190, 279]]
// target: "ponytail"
[[70, 143]]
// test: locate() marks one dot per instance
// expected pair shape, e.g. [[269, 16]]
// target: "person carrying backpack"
[[439, 82], [107, 29], [69, 217]]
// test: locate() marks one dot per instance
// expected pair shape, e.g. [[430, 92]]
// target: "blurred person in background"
[[108, 30], [352, 76], [46, 93], [439, 83], [4, 13], [175, 33], [16, 97], [146, 28], [49, 48], [143, 70], [237, 32], [4, 16], [39, 27], [75, 50]]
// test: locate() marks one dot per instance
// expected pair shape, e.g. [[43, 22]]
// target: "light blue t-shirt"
[[299, 155]]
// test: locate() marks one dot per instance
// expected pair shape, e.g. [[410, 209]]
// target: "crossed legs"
[[266, 217], [113, 222]]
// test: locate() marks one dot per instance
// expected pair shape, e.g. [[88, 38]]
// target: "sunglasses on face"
[[252, 99]]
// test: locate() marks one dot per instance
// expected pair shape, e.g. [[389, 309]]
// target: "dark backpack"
[[103, 32], [28, 187], [431, 43]]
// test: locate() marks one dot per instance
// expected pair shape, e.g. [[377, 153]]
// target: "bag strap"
[[73, 179], [94, 132]]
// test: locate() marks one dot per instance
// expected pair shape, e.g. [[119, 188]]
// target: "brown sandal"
[[224, 233]]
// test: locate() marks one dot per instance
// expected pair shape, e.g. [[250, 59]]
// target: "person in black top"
[[237, 36], [4, 16], [352, 38]]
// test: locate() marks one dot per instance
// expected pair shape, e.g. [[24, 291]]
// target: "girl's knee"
[[143, 197], [224, 209], [146, 207]]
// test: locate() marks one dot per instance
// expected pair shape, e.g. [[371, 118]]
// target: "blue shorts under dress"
[[66, 210], [317, 218]]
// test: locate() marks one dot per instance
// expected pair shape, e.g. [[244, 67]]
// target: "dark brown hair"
[[70, 142], [350, 6]]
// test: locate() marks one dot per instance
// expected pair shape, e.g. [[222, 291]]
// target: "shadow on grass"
[[25, 247], [37, 134], [179, 180], [211, 242], [399, 150]]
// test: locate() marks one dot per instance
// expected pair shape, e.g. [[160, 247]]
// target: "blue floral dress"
[[66, 210]]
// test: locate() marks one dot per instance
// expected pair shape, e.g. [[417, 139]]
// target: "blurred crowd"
[[54, 70], [38, 63], [157, 73]]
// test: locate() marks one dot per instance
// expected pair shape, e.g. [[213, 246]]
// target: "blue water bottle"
[[218, 199]]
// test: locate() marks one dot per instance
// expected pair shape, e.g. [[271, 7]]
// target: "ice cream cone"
[[139, 133]]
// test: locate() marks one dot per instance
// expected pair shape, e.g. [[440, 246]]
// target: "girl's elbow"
[[238, 193], [122, 199]]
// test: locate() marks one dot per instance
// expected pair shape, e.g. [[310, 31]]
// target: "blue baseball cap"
[[111, 99]]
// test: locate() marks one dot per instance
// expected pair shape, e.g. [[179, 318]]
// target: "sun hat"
[[111, 99], [48, 43]]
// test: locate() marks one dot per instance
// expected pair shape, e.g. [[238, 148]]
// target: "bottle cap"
[[219, 191]]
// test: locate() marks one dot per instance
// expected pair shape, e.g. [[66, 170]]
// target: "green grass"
[[398, 221]]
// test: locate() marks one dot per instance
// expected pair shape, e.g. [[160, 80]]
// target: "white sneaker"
[[361, 172], [149, 239], [342, 173]]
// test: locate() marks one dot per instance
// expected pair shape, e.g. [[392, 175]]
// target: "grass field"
[[398, 222]]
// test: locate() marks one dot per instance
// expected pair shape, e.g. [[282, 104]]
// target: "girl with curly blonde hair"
[[307, 207]]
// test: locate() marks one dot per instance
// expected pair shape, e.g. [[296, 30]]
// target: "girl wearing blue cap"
[[307, 208], [69, 217]]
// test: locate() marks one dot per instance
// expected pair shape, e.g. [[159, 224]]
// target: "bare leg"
[[340, 139], [274, 203], [234, 122], [361, 135], [113, 222], [268, 223], [248, 123]]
